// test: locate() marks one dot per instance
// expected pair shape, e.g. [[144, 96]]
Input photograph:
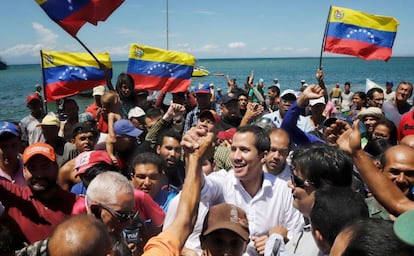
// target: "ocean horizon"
[[19, 80]]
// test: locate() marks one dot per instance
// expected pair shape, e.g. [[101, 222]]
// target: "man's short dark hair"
[[168, 133], [370, 92], [94, 170], [153, 112], [261, 136], [334, 208], [323, 165], [375, 237], [275, 89], [148, 158], [83, 127]]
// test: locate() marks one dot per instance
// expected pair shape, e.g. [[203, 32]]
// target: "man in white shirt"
[[286, 99], [266, 199]]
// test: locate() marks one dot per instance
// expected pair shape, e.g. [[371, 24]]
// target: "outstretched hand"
[[350, 140]]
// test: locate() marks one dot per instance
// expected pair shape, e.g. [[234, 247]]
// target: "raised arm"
[[383, 189], [183, 223]]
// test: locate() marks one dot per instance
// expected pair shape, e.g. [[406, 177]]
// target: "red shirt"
[[34, 218], [144, 204]]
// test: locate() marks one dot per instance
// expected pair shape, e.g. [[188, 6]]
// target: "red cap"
[[211, 114], [227, 134], [87, 159], [31, 97]]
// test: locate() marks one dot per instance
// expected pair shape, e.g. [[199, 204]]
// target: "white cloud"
[[236, 45], [210, 47], [45, 39], [45, 36]]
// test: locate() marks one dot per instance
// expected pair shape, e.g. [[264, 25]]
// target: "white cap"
[[136, 112], [302, 81], [313, 102], [288, 91], [98, 90]]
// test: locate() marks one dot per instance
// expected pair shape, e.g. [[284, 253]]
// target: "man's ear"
[[158, 149], [264, 154], [318, 236]]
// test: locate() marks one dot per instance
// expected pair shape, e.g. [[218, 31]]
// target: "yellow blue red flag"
[[68, 73], [160, 70], [360, 34], [71, 15]]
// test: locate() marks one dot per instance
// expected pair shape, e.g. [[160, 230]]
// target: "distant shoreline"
[[248, 58]]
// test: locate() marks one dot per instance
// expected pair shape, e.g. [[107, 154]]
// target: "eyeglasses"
[[300, 183], [121, 216]]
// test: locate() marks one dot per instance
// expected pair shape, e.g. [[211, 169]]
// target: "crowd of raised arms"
[[234, 171]]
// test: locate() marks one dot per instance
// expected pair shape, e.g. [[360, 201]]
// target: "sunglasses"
[[300, 183], [121, 216]]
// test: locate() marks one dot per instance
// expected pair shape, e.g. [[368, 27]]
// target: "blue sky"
[[205, 29]]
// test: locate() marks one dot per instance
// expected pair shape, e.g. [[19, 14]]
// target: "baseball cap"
[[390, 82], [202, 88], [226, 135], [371, 111], [136, 112], [9, 127], [211, 114], [125, 127], [31, 97], [87, 159], [302, 81], [39, 148], [226, 216], [404, 226], [313, 102], [226, 99], [98, 90], [83, 127], [288, 94], [50, 119]]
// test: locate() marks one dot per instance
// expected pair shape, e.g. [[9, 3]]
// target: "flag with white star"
[[360, 34]]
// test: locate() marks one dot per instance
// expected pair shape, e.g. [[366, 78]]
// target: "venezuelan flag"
[[360, 34], [68, 73], [72, 15], [160, 70]]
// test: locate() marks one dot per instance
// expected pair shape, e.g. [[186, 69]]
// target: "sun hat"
[[125, 127], [404, 226], [371, 111], [9, 128], [226, 216], [87, 159], [39, 148], [50, 119]]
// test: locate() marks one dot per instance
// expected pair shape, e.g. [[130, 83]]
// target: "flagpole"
[[43, 82], [324, 37], [108, 80]]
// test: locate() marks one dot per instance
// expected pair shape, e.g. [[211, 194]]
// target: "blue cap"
[[390, 82], [9, 127], [202, 88], [226, 99], [125, 127]]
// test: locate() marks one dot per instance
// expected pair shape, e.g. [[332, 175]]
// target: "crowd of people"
[[251, 170]]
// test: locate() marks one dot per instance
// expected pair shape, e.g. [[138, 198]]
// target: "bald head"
[[408, 140], [80, 235], [398, 166]]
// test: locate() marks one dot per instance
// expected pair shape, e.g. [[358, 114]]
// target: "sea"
[[18, 81]]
